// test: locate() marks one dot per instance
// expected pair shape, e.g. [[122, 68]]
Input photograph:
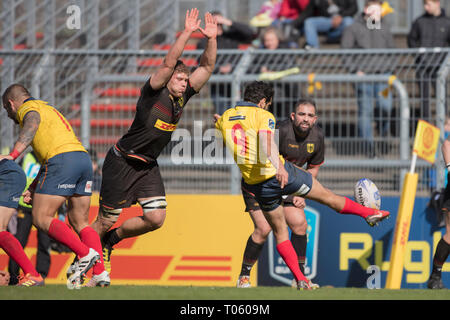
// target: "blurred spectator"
[[325, 16], [370, 31], [432, 29], [272, 39], [289, 11], [30, 166], [230, 35]]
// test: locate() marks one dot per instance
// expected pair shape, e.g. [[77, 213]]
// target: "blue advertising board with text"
[[342, 248]]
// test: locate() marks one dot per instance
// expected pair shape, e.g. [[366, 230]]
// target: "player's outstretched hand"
[[210, 30], [192, 23], [216, 117]]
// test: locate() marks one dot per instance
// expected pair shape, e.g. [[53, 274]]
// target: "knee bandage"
[[110, 214], [153, 204]]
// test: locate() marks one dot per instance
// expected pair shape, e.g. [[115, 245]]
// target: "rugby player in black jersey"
[[130, 170]]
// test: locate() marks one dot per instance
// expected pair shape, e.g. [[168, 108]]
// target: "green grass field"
[[60, 292]]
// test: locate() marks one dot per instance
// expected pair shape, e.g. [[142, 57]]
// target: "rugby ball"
[[367, 194]]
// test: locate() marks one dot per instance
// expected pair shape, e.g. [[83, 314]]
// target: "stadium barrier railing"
[[97, 90]]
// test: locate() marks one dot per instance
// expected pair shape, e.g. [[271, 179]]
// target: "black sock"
[[299, 243], [441, 254], [111, 238], [251, 254]]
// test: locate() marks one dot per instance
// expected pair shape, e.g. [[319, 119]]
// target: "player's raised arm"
[[164, 72], [208, 59]]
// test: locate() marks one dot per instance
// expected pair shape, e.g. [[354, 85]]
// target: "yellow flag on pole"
[[426, 141]]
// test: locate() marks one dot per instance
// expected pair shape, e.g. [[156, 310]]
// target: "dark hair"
[[257, 90], [14, 91], [306, 101]]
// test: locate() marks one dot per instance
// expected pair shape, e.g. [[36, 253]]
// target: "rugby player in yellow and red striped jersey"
[[248, 131], [66, 174]]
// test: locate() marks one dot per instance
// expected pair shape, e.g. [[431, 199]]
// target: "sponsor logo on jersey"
[[310, 147], [181, 102], [161, 125], [235, 118], [271, 124]]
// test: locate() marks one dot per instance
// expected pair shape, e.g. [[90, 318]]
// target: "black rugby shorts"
[[249, 200], [124, 181]]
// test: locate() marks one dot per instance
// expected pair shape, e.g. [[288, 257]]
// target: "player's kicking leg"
[[344, 205]]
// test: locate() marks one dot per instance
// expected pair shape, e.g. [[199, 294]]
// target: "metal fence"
[[97, 91], [133, 24], [93, 24]]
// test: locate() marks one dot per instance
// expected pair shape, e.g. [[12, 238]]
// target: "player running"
[[248, 131], [66, 174], [13, 182], [130, 170]]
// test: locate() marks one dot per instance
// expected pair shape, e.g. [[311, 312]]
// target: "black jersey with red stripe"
[[157, 116], [301, 150]]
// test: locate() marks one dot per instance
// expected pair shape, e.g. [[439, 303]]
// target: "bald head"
[[15, 92], [13, 98]]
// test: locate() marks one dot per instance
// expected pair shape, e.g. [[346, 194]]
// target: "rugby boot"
[[99, 280], [243, 282], [376, 217], [81, 267], [30, 281], [435, 282]]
